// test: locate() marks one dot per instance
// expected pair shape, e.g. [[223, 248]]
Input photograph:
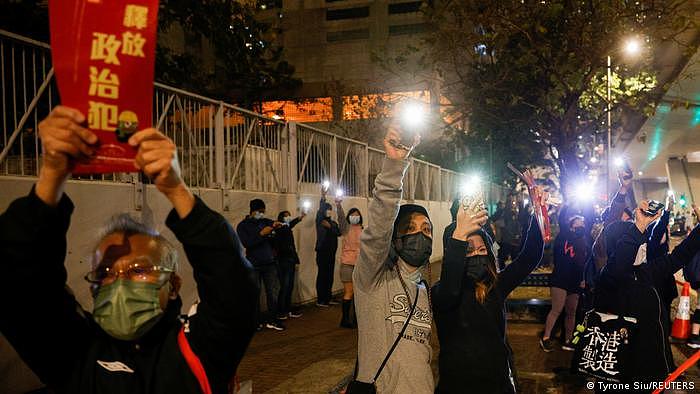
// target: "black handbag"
[[357, 387], [603, 346]]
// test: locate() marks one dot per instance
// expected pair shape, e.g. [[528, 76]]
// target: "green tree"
[[527, 79], [248, 65]]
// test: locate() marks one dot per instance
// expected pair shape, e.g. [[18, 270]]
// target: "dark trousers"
[[287, 274], [267, 275], [325, 261]]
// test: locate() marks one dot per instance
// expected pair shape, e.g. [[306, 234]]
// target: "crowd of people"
[[135, 340]]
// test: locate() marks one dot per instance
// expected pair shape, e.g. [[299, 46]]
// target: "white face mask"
[[258, 215], [287, 219], [414, 276], [354, 220], [329, 213]]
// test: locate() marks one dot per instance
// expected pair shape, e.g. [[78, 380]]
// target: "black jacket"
[[326, 238], [284, 242], [70, 353], [258, 248], [633, 291], [474, 352], [655, 248]]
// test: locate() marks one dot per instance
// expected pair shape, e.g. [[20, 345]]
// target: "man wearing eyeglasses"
[[133, 342]]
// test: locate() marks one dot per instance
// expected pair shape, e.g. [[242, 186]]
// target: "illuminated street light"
[[632, 46]]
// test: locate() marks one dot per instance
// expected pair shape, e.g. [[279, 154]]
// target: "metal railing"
[[219, 145]]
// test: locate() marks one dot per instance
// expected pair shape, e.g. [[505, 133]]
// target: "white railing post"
[[219, 144], [333, 166], [364, 172], [292, 157]]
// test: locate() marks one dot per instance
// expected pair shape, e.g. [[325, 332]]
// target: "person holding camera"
[[257, 234], [393, 309], [629, 286], [469, 306], [133, 341]]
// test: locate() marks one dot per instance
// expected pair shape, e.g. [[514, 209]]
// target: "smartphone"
[[654, 208], [473, 203]]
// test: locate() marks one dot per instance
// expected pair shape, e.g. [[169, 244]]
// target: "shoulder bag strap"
[[398, 338]]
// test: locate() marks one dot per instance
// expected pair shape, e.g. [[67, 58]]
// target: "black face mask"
[[579, 231], [414, 249], [477, 266]]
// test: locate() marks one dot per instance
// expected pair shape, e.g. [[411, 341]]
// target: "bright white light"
[[339, 193], [640, 173], [413, 114], [619, 162], [583, 192], [326, 184], [277, 117], [471, 187], [632, 46], [306, 204]]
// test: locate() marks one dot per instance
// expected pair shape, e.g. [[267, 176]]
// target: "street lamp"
[[632, 47]]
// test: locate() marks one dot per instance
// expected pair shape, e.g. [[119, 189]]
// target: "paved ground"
[[314, 355]]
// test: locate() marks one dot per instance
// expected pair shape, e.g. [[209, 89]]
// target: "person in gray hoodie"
[[387, 278]]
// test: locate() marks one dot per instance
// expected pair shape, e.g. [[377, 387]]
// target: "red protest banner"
[[103, 53]]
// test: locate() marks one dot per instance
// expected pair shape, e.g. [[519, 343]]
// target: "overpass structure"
[[665, 151]]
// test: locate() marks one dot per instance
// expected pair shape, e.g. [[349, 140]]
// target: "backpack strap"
[[398, 338], [193, 361]]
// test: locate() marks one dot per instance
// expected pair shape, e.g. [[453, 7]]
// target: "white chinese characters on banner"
[[600, 354]]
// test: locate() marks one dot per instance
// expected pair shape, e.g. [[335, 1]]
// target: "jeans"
[[287, 274], [325, 261], [267, 275]]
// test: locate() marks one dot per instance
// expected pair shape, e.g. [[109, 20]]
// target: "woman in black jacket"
[[469, 307], [630, 289]]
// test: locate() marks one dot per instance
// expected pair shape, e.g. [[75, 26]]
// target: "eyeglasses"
[[138, 272]]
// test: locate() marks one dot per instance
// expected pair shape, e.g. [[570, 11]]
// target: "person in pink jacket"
[[350, 228]]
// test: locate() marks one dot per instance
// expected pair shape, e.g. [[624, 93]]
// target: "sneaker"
[[694, 341], [322, 305], [568, 346], [331, 302], [278, 326], [546, 345], [295, 314], [282, 317]]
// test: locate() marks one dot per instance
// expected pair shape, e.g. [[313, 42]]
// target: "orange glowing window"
[[378, 105], [307, 110]]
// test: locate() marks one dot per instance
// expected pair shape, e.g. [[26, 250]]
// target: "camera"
[[654, 208]]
